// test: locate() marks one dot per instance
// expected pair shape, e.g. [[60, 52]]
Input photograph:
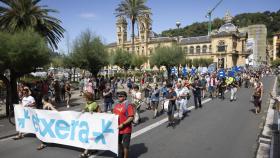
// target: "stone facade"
[[276, 45], [227, 42]]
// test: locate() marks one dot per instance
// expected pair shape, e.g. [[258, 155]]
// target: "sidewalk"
[[8, 130]]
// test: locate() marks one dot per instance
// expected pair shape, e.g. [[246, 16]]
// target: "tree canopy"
[[89, 53], [270, 19], [167, 56], [23, 52], [122, 58], [17, 15]]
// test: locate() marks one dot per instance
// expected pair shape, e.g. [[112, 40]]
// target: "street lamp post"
[[178, 23]]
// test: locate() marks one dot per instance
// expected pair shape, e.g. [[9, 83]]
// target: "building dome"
[[228, 27]]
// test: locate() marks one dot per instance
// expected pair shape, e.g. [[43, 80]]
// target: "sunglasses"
[[121, 96]]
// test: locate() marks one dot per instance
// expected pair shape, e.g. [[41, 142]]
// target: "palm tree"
[[16, 15], [133, 9]]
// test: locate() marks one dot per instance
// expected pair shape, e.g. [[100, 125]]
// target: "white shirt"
[[27, 101], [136, 96], [182, 91]]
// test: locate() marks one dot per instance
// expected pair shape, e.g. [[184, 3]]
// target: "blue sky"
[[98, 15]]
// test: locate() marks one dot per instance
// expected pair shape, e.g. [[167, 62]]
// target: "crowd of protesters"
[[157, 94]]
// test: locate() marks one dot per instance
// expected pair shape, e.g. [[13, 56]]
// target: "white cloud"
[[88, 15]]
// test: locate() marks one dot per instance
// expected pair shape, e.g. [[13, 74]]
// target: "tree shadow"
[[136, 150]]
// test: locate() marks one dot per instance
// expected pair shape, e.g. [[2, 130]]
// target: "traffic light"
[[221, 63]]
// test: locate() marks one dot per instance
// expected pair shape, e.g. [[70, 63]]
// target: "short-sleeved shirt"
[[91, 107], [170, 95], [120, 110], [27, 101]]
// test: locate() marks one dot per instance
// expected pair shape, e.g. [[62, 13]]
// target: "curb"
[[8, 136], [265, 148]]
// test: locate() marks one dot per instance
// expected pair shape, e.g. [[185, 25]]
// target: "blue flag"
[[231, 73], [193, 71], [184, 72], [222, 73]]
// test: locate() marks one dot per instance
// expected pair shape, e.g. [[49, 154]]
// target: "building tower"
[[144, 28], [121, 31]]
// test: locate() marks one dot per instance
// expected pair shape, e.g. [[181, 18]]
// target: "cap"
[[122, 93]]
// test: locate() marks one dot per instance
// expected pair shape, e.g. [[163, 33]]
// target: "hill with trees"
[[270, 19]]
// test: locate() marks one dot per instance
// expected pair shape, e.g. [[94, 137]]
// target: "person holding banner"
[[125, 112], [46, 106], [27, 101], [171, 96], [91, 106]]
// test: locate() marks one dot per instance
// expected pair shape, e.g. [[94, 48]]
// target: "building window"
[[204, 49], [186, 50], [210, 48], [197, 49], [221, 46], [191, 50]]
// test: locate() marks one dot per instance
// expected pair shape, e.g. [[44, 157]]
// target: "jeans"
[[197, 98], [182, 106], [233, 93], [107, 106]]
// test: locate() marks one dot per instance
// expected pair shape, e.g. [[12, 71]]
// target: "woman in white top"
[[27, 101]]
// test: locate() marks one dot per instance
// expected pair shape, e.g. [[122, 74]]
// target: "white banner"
[[84, 130]]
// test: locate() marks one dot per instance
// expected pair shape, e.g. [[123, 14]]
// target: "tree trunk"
[[74, 74], [133, 23], [13, 83], [8, 94]]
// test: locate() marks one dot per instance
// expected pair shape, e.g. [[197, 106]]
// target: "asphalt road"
[[221, 129]]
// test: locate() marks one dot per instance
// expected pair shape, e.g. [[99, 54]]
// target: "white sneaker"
[[68, 106]]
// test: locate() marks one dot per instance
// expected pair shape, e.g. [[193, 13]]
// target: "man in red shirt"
[[125, 112]]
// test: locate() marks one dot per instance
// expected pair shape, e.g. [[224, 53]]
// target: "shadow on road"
[[136, 150]]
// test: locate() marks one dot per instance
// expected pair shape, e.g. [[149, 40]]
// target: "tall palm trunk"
[[132, 36]]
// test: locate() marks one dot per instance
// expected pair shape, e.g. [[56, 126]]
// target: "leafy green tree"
[[270, 19], [138, 61], [16, 15], [168, 57], [23, 52], [122, 58], [89, 53], [133, 9], [275, 63]]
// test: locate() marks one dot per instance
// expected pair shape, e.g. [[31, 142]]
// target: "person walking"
[[137, 102], [92, 107], [46, 106], [108, 99], [233, 85], [155, 100], [196, 88], [68, 93], [181, 101], [257, 95], [125, 112], [27, 101], [171, 96]]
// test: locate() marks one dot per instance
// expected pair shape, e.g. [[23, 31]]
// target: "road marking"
[[152, 126]]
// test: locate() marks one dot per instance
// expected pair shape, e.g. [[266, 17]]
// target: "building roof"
[[198, 39], [228, 27], [112, 44], [163, 39]]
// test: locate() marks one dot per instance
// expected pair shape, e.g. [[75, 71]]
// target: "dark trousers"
[[197, 98]]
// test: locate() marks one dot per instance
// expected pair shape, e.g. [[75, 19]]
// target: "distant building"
[[276, 45], [227, 44]]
